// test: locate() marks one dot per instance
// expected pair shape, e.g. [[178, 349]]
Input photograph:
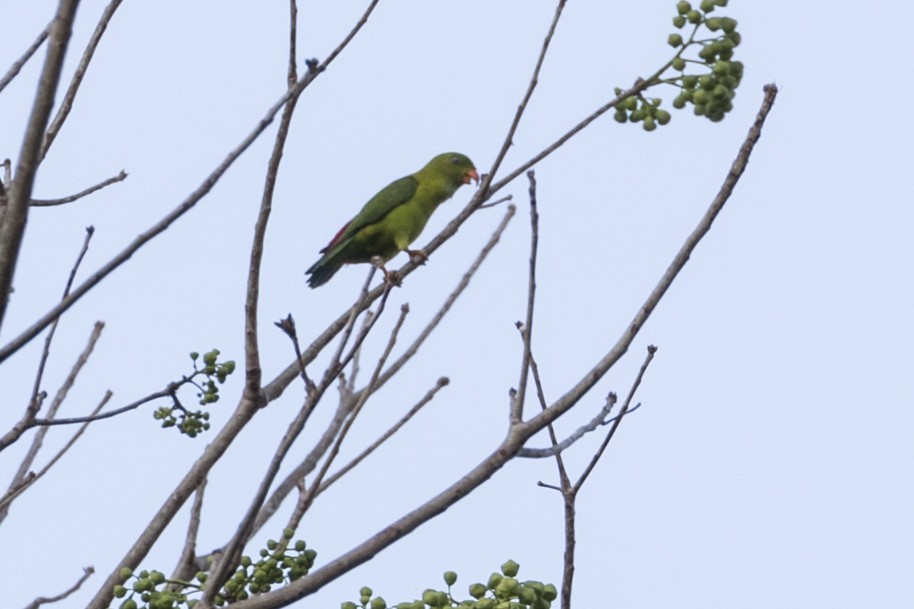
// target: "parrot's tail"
[[321, 271]]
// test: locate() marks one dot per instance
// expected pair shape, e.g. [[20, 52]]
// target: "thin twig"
[[517, 403], [28, 421], [67, 104], [430, 394], [306, 499], [87, 572], [253, 371], [64, 200], [534, 79], [651, 350], [187, 567], [596, 422], [287, 325], [17, 65], [31, 477]]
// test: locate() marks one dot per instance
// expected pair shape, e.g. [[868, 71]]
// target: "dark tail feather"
[[321, 271]]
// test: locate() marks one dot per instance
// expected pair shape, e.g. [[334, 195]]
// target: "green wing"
[[394, 194]]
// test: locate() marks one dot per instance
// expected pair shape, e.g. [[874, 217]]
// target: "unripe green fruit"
[[378, 603], [128, 604], [620, 116], [674, 40], [510, 568], [679, 64], [125, 573], [365, 591], [348, 605], [707, 5], [683, 7], [485, 603], [120, 591], [430, 597], [506, 587], [679, 21], [663, 117], [693, 17], [713, 24], [477, 591], [550, 593], [494, 580], [450, 578], [649, 124], [727, 24]]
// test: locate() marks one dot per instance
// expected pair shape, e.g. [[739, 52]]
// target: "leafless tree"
[[320, 467]]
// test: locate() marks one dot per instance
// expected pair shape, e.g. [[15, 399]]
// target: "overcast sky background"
[[772, 461]]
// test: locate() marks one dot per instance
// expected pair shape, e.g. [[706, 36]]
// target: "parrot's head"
[[456, 167]]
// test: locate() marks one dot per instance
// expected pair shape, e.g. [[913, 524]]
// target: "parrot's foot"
[[393, 278], [417, 256]]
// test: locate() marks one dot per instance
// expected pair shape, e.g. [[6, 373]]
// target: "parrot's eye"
[[455, 160]]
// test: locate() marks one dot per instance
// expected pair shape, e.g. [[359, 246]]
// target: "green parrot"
[[393, 218]]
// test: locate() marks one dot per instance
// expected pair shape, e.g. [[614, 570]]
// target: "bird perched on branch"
[[393, 218]]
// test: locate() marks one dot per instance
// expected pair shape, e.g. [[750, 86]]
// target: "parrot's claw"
[[393, 278], [417, 256]]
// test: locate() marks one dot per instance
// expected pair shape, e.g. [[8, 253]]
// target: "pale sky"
[[772, 461]]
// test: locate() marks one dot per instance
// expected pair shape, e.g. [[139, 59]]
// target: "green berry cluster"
[[637, 109], [279, 563], [152, 589], [502, 591], [214, 371], [710, 92], [188, 422], [711, 88]]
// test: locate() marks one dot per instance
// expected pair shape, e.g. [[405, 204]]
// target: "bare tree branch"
[[32, 477], [16, 209], [67, 104], [64, 200], [87, 572], [517, 402], [253, 373], [534, 79], [28, 420], [17, 65], [428, 397], [187, 567], [651, 350], [571, 397]]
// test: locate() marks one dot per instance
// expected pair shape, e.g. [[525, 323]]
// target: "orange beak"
[[471, 175]]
